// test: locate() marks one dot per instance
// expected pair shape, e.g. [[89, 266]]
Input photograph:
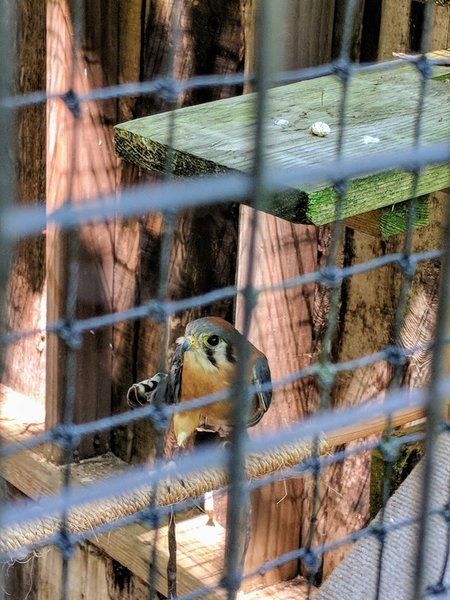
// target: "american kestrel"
[[144, 392], [205, 362]]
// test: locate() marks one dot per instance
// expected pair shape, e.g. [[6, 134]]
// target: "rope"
[[83, 519]]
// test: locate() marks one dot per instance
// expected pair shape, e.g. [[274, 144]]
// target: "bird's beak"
[[188, 343]]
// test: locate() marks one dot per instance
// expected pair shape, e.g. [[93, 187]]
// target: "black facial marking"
[[210, 355], [229, 354]]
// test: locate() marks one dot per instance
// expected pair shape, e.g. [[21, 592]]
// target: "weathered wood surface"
[[81, 165], [25, 290], [200, 546], [35, 476], [217, 137], [395, 26], [390, 220], [202, 252], [282, 322], [367, 313]]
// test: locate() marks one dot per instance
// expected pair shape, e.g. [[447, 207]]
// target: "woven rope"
[[85, 518]]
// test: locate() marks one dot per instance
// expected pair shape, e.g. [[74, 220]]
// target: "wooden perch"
[[381, 111], [81, 519]]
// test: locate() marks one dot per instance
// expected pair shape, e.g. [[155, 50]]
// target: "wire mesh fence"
[[153, 493]]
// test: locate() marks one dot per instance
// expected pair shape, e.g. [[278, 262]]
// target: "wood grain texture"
[[35, 476], [390, 220], [440, 28], [356, 28], [367, 311], [306, 50], [282, 329], [217, 137], [203, 249], [394, 28], [282, 324], [25, 289], [364, 326], [81, 166]]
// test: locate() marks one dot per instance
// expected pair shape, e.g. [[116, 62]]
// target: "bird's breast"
[[200, 379]]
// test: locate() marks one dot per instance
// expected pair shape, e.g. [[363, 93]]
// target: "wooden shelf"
[[217, 137], [32, 474]]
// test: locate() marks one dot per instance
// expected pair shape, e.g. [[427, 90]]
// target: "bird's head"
[[212, 341]]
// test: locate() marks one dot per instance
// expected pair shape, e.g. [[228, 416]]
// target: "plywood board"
[[218, 137]]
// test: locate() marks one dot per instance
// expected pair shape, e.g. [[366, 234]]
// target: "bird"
[[205, 362], [145, 391]]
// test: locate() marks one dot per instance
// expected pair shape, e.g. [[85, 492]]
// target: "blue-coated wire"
[[166, 198]]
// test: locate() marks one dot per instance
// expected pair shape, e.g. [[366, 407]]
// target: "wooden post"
[[203, 251], [81, 165], [25, 292], [282, 324], [368, 307]]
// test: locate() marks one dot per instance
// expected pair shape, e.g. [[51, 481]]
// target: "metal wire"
[[169, 198]]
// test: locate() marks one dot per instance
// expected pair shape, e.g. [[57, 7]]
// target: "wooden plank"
[[294, 589], [366, 326], [136, 242], [395, 28], [304, 50], [356, 30], [81, 166], [284, 250], [91, 574], [390, 220], [440, 27], [217, 137], [369, 303], [35, 476], [25, 287]]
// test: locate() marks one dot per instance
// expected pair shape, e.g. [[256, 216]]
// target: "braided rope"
[[83, 519]]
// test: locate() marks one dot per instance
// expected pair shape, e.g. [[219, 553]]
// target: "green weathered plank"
[[395, 219], [218, 137]]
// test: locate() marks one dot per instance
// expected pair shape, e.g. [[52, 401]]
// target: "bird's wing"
[[261, 399], [175, 375]]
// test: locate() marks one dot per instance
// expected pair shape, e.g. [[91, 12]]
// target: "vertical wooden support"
[[367, 312], [440, 29], [81, 165], [282, 324], [203, 252], [25, 293], [394, 28], [58, 156]]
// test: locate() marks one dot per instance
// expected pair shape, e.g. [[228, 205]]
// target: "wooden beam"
[[390, 220], [81, 165], [35, 476], [394, 28], [217, 137], [24, 308]]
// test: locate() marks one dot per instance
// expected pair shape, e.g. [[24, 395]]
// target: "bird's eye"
[[213, 340]]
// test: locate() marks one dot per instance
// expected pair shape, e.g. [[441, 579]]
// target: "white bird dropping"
[[320, 129], [281, 123]]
